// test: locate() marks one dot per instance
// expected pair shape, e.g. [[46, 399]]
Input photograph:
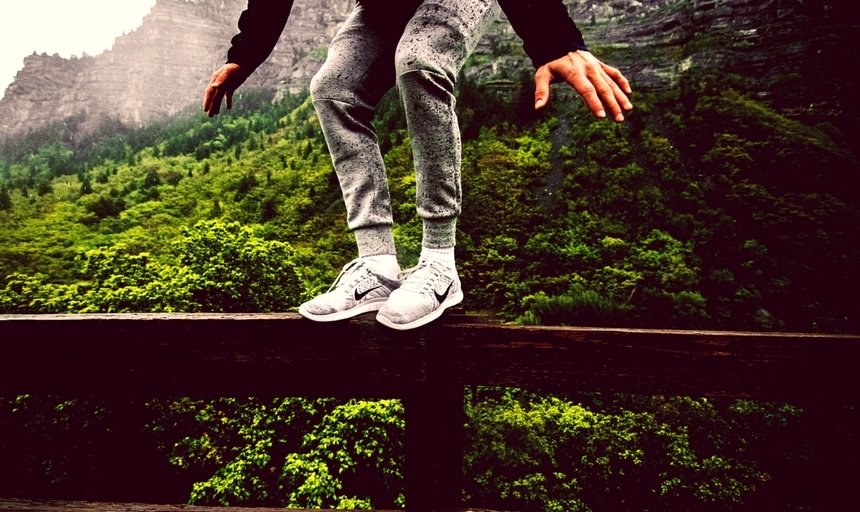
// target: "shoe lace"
[[350, 274], [423, 277]]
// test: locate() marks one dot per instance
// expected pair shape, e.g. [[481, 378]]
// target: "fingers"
[[602, 87], [617, 77], [221, 85], [212, 100], [613, 97], [620, 88], [586, 80], [210, 93], [543, 78], [602, 92], [213, 107], [213, 95], [591, 91]]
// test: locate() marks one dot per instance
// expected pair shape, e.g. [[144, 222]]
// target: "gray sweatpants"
[[419, 46]]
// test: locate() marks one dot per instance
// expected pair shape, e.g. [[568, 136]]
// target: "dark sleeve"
[[260, 27], [546, 28]]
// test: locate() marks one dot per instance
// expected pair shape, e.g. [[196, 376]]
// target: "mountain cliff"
[[159, 68], [786, 47]]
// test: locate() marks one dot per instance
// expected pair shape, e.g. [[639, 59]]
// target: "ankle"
[[442, 255], [384, 264]]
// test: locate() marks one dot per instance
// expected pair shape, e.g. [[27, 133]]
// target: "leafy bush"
[[548, 453]]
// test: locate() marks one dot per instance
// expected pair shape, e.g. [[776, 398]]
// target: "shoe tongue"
[[352, 265], [436, 264]]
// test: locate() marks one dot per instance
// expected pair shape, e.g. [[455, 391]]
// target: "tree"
[[238, 271], [5, 199]]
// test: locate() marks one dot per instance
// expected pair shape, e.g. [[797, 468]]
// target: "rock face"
[[164, 66], [784, 49]]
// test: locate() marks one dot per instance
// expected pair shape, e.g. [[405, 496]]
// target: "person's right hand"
[[223, 83]]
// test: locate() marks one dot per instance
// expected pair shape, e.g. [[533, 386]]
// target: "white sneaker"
[[358, 289], [425, 292]]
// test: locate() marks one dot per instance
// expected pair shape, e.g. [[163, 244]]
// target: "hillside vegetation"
[[706, 209]]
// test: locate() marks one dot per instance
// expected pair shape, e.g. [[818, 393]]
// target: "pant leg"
[[358, 71], [435, 44]]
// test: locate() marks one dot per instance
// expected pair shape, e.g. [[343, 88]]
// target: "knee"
[[421, 76], [319, 84], [328, 85], [407, 60]]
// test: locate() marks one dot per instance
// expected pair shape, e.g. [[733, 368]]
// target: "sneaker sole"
[[452, 300], [365, 307]]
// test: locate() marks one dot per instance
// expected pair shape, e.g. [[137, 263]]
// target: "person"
[[419, 47]]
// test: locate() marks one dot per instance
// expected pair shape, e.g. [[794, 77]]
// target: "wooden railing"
[[210, 355]]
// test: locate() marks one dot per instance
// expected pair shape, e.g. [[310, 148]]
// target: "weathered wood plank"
[[655, 362], [202, 354], [90, 506], [283, 354], [24, 505]]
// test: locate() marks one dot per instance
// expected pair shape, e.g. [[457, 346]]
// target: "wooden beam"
[[286, 355], [202, 355], [26, 505], [766, 365]]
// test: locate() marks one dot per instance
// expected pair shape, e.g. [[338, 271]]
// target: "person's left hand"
[[603, 87]]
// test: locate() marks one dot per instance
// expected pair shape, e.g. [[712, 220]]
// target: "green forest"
[[706, 209]]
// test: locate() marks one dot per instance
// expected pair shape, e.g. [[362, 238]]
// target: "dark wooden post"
[[434, 446], [435, 421]]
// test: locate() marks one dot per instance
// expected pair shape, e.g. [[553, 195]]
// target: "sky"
[[64, 27]]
